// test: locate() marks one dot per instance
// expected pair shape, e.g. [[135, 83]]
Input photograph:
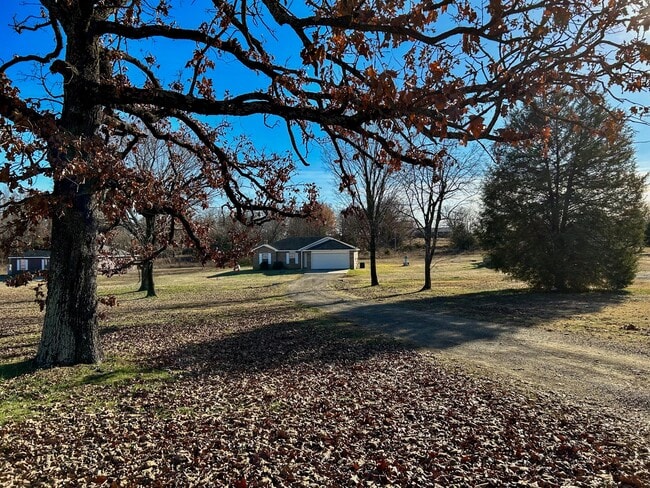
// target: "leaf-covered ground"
[[221, 381]]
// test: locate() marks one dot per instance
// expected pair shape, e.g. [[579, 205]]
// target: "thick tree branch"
[[58, 48]]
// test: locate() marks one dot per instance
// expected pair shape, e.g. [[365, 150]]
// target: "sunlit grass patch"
[[452, 274], [24, 390], [112, 374]]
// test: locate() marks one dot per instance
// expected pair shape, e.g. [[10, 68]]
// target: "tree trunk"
[[431, 237], [147, 283], [428, 257], [70, 329], [70, 333], [147, 266], [374, 280]]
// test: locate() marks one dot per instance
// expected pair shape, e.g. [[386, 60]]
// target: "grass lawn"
[[222, 380]]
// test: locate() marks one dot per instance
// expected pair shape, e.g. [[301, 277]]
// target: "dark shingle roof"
[[293, 243], [36, 253]]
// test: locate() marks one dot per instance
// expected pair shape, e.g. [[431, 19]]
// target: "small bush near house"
[[245, 261]]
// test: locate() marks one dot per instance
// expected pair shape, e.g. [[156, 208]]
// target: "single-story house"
[[39, 260], [32, 261], [309, 253]]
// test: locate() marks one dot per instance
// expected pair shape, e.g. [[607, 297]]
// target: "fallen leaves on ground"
[[271, 395], [281, 403]]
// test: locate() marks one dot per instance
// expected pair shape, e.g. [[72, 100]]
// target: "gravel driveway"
[[584, 370]]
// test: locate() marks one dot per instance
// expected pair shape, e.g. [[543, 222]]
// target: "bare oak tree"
[[371, 187], [176, 175], [349, 71]]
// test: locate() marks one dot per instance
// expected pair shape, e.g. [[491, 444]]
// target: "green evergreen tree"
[[565, 211]]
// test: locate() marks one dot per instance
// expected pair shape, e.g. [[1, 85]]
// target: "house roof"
[[35, 253], [330, 244], [294, 243], [307, 244]]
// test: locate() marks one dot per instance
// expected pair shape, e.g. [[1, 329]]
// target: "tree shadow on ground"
[[523, 307], [443, 322], [128, 292], [276, 338], [15, 369], [267, 272], [277, 345]]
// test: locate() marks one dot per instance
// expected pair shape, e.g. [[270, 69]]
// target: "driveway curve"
[[580, 369]]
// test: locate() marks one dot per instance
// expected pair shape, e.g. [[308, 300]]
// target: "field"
[[224, 380]]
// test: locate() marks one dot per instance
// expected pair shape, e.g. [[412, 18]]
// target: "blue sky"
[[230, 77]]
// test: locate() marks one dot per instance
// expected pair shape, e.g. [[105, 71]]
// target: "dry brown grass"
[[184, 294], [460, 284]]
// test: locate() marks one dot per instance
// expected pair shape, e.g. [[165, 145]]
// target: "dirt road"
[[584, 370]]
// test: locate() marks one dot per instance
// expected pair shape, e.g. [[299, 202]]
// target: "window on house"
[[292, 258], [22, 265], [265, 257]]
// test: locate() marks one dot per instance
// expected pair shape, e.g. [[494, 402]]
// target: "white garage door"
[[330, 260]]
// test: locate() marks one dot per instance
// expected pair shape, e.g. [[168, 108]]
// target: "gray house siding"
[[297, 253]]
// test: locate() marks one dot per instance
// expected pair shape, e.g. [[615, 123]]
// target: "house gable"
[[264, 253], [330, 244], [265, 248]]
